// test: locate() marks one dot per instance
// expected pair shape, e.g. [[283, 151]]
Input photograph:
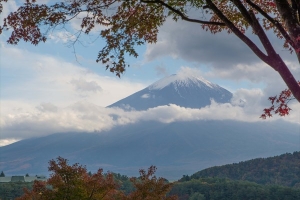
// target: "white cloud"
[[223, 54], [47, 118], [62, 36], [76, 23], [44, 95], [52, 95], [7, 142], [36, 91], [86, 86], [185, 71], [295, 112], [254, 72], [37, 78], [47, 107], [145, 96], [250, 97]]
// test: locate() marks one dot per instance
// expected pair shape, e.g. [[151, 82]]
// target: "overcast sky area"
[[54, 87]]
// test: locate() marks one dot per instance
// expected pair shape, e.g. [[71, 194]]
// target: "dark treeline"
[[280, 170], [195, 189], [13, 190], [226, 189]]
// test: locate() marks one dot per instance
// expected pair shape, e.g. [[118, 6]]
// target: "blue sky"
[[40, 83]]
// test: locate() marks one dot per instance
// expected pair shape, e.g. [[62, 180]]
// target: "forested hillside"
[[12, 190], [226, 189], [263, 178], [281, 170]]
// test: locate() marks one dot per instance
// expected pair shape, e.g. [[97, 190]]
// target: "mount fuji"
[[184, 90], [176, 148]]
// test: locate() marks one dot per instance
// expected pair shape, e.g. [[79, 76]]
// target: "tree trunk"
[[287, 76]]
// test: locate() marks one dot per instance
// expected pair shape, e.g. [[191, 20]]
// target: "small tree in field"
[[2, 174], [148, 187]]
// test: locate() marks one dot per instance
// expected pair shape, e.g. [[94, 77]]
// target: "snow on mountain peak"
[[188, 90], [181, 80]]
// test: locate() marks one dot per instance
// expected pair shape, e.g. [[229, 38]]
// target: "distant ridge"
[[183, 90], [282, 170], [175, 148]]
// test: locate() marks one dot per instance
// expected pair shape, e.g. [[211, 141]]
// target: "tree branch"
[[273, 59], [238, 33], [182, 15], [258, 30], [288, 78], [243, 11], [296, 4], [274, 22], [262, 36], [290, 20]]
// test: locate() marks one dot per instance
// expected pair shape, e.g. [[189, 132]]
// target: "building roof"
[[17, 179], [7, 179]]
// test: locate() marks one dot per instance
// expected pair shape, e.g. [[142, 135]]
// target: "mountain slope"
[[176, 148], [227, 189], [282, 170], [185, 91]]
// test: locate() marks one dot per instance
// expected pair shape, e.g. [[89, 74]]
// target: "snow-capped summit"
[[181, 80], [189, 91]]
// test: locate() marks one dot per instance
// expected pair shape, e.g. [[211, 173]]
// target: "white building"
[[7, 179]]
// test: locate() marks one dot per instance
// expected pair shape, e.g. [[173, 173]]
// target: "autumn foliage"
[[73, 182], [279, 104], [148, 187]]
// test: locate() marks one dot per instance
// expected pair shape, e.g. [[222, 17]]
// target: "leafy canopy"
[[73, 182]]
